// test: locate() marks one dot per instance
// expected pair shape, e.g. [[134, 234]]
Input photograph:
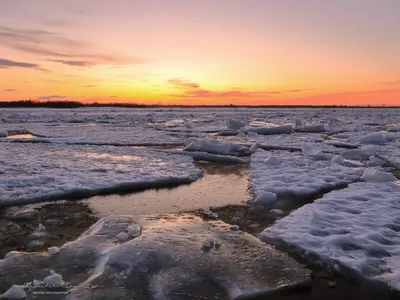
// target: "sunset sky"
[[252, 52]]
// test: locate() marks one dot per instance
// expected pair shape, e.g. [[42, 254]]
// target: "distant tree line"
[[76, 104], [65, 104]]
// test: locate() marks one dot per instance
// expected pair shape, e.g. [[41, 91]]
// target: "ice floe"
[[293, 176], [355, 230], [34, 173]]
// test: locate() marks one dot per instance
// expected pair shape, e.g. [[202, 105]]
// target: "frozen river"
[[123, 163]]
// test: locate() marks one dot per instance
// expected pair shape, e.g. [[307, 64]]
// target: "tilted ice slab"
[[205, 156], [355, 230], [40, 172], [293, 176], [215, 147], [165, 258]]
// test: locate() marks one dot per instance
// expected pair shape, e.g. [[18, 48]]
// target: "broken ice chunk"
[[14, 292], [134, 230], [208, 243], [54, 279], [234, 124], [53, 251], [122, 237], [375, 175]]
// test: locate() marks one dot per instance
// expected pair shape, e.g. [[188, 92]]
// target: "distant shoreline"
[[73, 104]]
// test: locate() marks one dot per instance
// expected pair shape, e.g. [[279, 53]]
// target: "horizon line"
[[77, 104]]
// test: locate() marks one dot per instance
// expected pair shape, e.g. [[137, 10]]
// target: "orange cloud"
[[187, 89]]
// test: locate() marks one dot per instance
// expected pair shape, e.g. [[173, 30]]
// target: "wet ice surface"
[[313, 151], [220, 185], [39, 226], [172, 256]]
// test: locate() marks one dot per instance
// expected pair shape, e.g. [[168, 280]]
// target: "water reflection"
[[221, 185], [22, 136]]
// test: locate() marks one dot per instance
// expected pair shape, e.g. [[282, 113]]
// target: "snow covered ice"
[[355, 229], [35, 172], [281, 175]]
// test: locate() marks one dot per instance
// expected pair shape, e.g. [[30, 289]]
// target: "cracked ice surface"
[[37, 172], [166, 260]]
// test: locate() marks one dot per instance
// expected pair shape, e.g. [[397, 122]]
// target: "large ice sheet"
[[165, 258], [39, 172], [281, 175], [101, 134], [355, 230]]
